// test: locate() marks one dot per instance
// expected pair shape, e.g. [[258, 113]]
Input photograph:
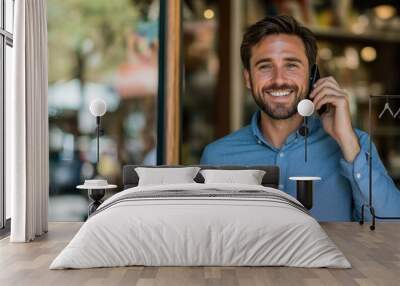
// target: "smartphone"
[[314, 77]]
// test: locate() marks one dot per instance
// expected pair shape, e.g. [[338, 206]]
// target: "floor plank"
[[374, 255]]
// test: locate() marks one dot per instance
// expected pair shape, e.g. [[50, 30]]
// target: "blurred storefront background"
[[99, 49], [358, 45], [109, 49]]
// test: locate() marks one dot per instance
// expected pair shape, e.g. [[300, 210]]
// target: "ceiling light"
[[368, 54], [385, 12], [208, 14]]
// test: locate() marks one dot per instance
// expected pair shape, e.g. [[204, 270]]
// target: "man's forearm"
[[350, 147]]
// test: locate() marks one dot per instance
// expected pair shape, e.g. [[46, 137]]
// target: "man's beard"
[[279, 111]]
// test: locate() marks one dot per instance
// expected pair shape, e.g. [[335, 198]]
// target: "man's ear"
[[246, 75]]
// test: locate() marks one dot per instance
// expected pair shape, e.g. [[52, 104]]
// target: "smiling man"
[[277, 55]]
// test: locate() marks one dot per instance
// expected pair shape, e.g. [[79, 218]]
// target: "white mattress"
[[200, 231]]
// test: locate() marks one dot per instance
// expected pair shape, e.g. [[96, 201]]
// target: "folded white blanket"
[[201, 224]]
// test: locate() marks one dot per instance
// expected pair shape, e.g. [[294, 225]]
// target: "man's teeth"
[[280, 93]]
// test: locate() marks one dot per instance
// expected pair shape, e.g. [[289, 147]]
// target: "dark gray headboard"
[[271, 178]]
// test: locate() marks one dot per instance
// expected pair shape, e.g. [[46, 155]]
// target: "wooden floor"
[[375, 257]]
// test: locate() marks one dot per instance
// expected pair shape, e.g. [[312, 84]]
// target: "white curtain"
[[27, 123]]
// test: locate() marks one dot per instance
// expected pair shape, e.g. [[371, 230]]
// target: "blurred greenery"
[[86, 39]]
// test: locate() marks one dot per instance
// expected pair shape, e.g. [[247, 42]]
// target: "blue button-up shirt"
[[344, 186]]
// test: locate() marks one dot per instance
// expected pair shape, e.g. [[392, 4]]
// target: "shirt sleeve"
[[206, 156], [385, 195]]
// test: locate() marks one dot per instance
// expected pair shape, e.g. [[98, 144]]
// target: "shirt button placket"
[[280, 161]]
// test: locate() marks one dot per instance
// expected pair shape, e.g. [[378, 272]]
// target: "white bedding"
[[200, 231]]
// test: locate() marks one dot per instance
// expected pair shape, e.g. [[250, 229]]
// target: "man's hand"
[[337, 120]]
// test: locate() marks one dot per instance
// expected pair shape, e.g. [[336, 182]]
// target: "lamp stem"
[[98, 139], [305, 138]]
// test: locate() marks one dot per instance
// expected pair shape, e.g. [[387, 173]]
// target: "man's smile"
[[283, 95], [279, 92]]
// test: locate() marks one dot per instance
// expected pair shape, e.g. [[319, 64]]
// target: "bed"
[[201, 224]]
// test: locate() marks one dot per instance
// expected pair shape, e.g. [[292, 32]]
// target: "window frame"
[[6, 39]]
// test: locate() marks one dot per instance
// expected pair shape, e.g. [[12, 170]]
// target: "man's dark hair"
[[281, 24]]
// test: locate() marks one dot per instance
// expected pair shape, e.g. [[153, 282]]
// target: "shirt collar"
[[313, 125]]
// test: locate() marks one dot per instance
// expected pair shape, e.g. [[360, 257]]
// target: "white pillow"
[[248, 177], [162, 176]]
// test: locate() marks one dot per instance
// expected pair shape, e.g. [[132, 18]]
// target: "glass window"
[[99, 49], [6, 15], [2, 203], [9, 65], [9, 9], [201, 64]]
